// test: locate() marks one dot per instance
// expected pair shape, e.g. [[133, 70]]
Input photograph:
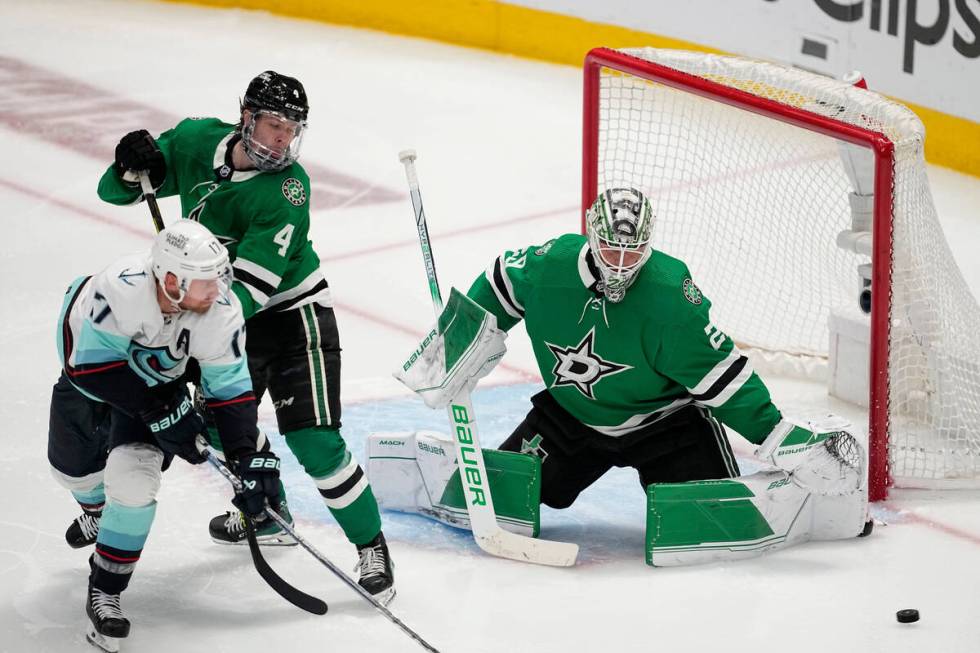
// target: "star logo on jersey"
[[534, 448], [293, 190], [581, 367], [691, 292]]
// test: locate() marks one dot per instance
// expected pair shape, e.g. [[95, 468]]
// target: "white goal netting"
[[754, 206]]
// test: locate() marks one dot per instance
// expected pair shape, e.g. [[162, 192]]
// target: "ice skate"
[[108, 626], [229, 528], [376, 570]]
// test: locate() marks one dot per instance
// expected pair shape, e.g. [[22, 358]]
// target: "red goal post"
[[651, 120]]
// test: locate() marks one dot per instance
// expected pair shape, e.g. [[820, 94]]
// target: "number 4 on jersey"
[[282, 239]]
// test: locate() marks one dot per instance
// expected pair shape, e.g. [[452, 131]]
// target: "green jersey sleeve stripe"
[[503, 289], [253, 285], [716, 373], [259, 272], [734, 378], [312, 289]]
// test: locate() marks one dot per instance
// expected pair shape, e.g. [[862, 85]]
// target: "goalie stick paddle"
[[483, 519], [208, 452], [150, 196]]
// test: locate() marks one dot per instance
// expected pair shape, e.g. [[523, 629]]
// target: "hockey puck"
[[907, 616]]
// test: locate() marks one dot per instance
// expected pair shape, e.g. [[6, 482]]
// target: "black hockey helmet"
[[271, 91]]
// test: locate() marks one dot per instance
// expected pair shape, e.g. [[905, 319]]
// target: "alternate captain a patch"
[[581, 367], [293, 189]]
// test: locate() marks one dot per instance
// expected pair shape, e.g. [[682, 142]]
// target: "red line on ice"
[[939, 526], [74, 208]]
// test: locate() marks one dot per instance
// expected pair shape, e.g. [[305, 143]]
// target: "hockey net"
[[751, 168]]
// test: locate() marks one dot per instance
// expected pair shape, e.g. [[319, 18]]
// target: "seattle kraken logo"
[[153, 364], [581, 367]]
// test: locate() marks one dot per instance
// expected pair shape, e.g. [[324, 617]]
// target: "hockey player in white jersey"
[[125, 337]]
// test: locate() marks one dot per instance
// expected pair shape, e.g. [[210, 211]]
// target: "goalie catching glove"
[[820, 455], [462, 348]]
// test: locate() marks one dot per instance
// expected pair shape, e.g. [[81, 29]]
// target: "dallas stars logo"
[[581, 367], [293, 190]]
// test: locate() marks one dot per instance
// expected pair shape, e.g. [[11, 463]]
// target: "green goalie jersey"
[[619, 367], [262, 218]]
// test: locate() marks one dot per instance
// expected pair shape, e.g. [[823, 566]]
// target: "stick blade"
[[512, 546], [300, 599]]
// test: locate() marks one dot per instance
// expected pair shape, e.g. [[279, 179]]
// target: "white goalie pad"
[[410, 471], [417, 472], [813, 488], [463, 347], [709, 521]]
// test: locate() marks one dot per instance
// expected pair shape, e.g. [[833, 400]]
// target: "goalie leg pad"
[[707, 521], [418, 472]]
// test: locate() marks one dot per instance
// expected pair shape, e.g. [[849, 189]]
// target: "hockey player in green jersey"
[[636, 375], [244, 183]]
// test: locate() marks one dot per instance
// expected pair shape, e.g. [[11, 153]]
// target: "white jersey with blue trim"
[[115, 316]]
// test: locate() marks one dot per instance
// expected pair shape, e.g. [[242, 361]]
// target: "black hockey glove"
[[259, 472], [176, 426], [138, 151]]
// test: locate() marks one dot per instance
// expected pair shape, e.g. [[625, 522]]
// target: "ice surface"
[[498, 142]]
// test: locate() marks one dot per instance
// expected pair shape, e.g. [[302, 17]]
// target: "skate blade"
[[103, 642], [385, 597], [263, 540]]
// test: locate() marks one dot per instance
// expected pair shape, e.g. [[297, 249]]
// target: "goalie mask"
[[619, 224], [190, 252], [272, 132]]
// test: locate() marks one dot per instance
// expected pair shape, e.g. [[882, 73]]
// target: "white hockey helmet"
[[619, 225], [189, 251]]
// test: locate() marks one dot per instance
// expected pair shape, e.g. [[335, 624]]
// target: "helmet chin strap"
[[174, 302]]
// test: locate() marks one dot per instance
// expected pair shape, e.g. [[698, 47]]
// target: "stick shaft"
[[211, 455], [150, 196]]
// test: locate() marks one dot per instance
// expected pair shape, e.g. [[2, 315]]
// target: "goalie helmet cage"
[[746, 163]]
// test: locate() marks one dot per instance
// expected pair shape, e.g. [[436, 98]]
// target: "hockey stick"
[[483, 518], [150, 196], [280, 585], [298, 598]]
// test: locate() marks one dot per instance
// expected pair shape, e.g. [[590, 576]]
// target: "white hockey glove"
[[820, 455], [463, 347]]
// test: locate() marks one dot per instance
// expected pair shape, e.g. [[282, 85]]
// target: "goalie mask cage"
[[744, 163]]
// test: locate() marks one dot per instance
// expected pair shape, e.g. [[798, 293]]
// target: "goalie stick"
[[483, 518]]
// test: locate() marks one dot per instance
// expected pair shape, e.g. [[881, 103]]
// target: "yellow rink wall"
[[951, 141]]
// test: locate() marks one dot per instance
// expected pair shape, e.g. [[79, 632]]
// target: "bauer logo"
[[439, 451], [293, 190], [469, 465], [419, 350]]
